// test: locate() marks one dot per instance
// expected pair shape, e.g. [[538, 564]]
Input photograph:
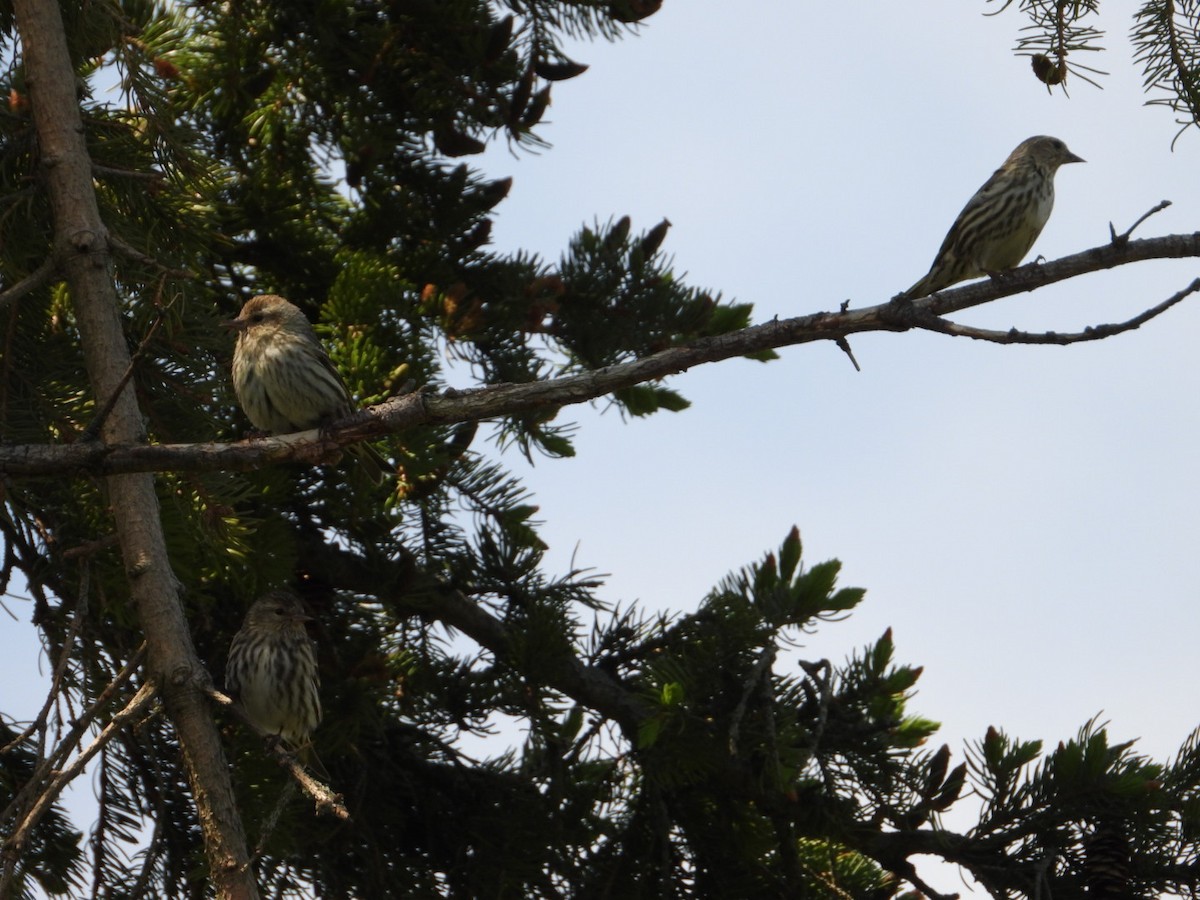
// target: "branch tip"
[[1124, 238], [844, 346]]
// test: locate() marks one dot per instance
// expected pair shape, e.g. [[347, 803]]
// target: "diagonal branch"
[[132, 710], [30, 282], [1124, 236], [60, 665], [66, 745], [424, 408], [93, 429], [405, 585], [931, 322], [327, 802]]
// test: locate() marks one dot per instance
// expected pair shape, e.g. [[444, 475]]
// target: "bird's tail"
[[308, 757], [922, 288], [373, 465]]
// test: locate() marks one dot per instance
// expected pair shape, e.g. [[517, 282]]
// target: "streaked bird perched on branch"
[[272, 669], [999, 224], [284, 379]]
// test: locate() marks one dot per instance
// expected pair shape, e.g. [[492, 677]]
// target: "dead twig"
[[60, 665], [930, 322], [844, 346], [327, 802], [1124, 238], [763, 666], [93, 430], [15, 844]]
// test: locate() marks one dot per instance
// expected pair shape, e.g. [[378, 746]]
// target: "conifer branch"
[[400, 580], [427, 408], [139, 257], [15, 843], [60, 668], [31, 282], [93, 429], [67, 744]]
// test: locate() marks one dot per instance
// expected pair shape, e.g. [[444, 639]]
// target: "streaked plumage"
[[272, 669], [284, 379], [999, 224]]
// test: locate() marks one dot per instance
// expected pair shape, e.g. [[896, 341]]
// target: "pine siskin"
[[283, 377], [1000, 223], [272, 668]]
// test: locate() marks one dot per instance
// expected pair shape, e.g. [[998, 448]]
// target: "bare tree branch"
[[15, 843], [60, 665], [1091, 333], [65, 746], [423, 408], [30, 282], [327, 802], [1124, 236]]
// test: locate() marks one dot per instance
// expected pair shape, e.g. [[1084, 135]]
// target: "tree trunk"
[[81, 248]]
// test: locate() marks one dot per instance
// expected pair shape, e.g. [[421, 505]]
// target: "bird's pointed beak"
[[234, 324], [1071, 157]]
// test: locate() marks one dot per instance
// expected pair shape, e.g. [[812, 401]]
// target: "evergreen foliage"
[[312, 149]]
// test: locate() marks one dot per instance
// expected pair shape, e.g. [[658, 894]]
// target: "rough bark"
[[423, 408], [82, 253]]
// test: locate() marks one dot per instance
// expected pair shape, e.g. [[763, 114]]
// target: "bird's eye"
[[257, 317]]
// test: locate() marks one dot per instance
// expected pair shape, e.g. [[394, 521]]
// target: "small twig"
[[30, 282], [272, 819], [930, 322], [60, 665], [765, 659], [139, 257], [87, 548], [154, 845], [826, 881], [1124, 238], [820, 674], [99, 836], [93, 430], [327, 802], [16, 842], [844, 346], [910, 875], [67, 745], [140, 174]]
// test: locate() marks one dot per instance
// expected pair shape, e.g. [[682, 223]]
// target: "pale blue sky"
[[1024, 518]]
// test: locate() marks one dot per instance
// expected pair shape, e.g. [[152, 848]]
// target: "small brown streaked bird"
[[272, 669], [999, 224], [284, 379]]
